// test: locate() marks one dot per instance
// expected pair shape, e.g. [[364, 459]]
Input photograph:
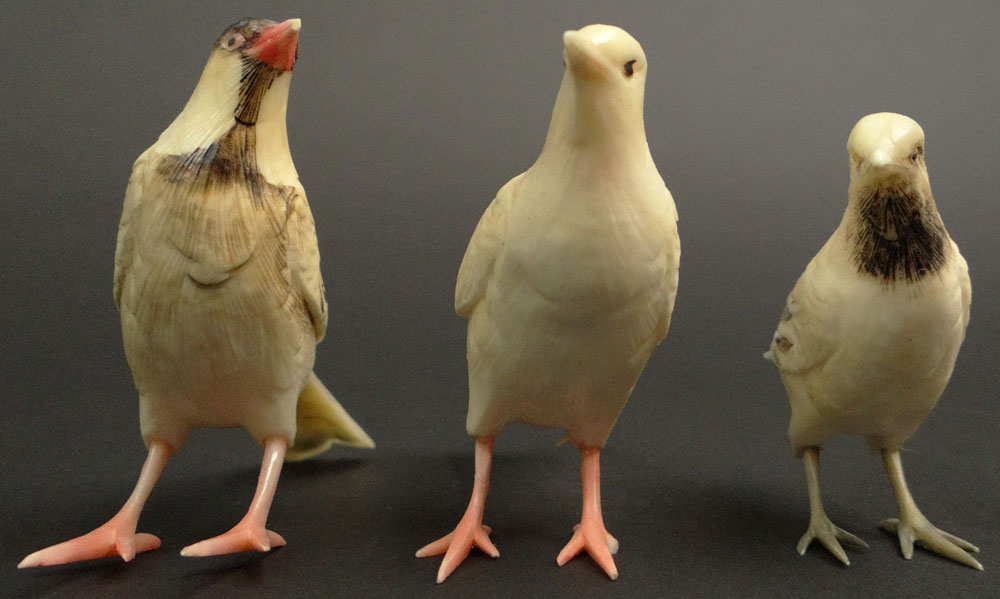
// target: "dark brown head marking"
[[248, 29], [256, 77]]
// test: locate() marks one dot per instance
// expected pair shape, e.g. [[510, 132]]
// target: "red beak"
[[278, 45]]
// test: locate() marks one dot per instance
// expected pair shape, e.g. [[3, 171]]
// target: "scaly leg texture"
[[250, 533], [820, 527], [590, 533], [117, 536], [913, 526], [470, 531]]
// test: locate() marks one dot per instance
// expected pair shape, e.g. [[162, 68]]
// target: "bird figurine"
[[568, 284], [869, 335], [218, 284]]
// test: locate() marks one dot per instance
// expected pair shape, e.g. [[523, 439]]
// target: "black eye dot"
[[235, 40], [628, 68]]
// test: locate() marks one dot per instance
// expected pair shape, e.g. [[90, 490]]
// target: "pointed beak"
[[278, 45], [580, 56], [571, 37], [879, 158]]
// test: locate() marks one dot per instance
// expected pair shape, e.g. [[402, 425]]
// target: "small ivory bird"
[[218, 284], [568, 283], [869, 335]]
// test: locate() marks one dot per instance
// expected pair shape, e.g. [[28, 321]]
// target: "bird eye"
[[629, 71], [917, 153], [234, 41]]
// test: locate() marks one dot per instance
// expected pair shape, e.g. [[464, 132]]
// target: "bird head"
[[605, 55], [247, 59], [886, 153], [601, 96], [245, 82], [886, 145]]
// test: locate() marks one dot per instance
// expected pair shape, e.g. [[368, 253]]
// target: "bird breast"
[[217, 207], [208, 294], [912, 328], [590, 251]]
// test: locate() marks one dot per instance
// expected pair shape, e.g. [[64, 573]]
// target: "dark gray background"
[[404, 121]]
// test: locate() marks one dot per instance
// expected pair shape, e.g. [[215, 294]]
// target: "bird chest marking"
[[222, 201], [230, 162], [895, 239]]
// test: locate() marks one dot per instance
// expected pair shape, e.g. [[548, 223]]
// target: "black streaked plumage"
[[230, 161], [896, 240]]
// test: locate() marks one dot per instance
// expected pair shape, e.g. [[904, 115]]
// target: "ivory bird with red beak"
[[218, 284]]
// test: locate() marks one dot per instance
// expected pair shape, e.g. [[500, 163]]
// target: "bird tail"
[[321, 421]]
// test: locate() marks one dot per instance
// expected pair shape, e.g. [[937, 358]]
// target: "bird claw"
[[457, 544], [242, 537], [612, 542], [590, 535], [917, 529], [115, 537], [830, 535]]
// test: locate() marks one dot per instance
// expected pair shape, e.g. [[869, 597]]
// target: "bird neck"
[[598, 119], [209, 115], [274, 159], [894, 230]]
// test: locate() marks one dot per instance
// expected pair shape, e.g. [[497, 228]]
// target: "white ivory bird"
[[568, 283], [869, 335], [218, 284]]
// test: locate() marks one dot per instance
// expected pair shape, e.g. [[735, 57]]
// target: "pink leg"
[[117, 536], [590, 532], [470, 530], [250, 533]]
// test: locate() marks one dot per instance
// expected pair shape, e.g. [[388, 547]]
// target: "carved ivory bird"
[[869, 335], [568, 283], [218, 284]]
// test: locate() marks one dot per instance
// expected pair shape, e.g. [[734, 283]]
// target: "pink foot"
[[470, 531], [116, 537], [245, 536], [456, 545], [590, 532], [592, 536], [250, 533]]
